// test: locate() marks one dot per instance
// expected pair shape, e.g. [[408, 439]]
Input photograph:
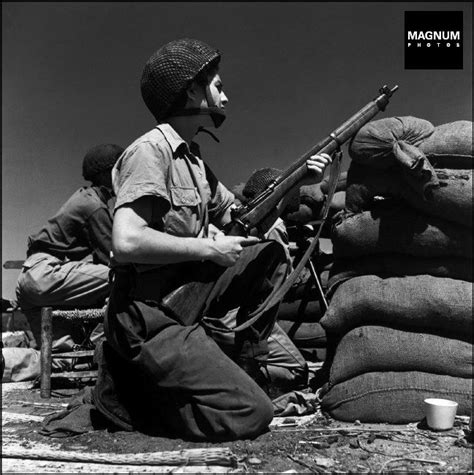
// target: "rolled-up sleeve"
[[140, 171]]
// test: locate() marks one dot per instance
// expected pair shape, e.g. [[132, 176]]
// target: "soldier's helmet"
[[171, 69]]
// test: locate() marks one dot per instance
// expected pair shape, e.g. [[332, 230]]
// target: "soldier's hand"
[[226, 250], [316, 165]]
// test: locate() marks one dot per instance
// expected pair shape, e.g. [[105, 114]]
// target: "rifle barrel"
[[256, 210]]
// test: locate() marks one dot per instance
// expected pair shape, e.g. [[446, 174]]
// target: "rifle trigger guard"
[[244, 228]]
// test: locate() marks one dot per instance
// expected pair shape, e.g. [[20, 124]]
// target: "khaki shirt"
[[81, 227], [161, 164]]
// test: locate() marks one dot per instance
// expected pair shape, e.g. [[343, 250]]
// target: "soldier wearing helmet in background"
[[67, 260], [155, 374]]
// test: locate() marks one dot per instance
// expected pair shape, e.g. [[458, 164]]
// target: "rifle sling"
[[277, 294]]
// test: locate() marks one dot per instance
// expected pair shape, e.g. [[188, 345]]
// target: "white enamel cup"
[[440, 413]]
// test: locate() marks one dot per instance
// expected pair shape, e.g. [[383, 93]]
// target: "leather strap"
[[278, 293]]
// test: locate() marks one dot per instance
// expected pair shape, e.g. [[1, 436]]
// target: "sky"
[[292, 71]]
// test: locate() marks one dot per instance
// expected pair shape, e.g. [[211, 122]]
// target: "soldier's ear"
[[194, 93]]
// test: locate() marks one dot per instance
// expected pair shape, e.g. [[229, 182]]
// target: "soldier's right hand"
[[226, 250]]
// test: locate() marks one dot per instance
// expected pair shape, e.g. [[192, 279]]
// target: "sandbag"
[[21, 364], [424, 303], [374, 144], [397, 228], [393, 397], [447, 145], [397, 265], [392, 142], [370, 349], [450, 145], [451, 200], [17, 339]]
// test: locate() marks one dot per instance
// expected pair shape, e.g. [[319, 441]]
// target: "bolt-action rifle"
[[187, 302]]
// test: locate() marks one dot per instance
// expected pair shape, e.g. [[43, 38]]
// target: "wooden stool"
[[46, 357], [47, 316]]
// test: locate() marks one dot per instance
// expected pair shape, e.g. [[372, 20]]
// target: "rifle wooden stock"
[[187, 302]]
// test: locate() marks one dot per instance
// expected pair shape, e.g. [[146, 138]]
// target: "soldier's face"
[[215, 94]]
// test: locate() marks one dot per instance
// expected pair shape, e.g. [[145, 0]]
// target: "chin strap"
[[202, 129], [216, 113], [192, 111]]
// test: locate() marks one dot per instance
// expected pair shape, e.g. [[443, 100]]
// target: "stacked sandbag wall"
[[400, 313]]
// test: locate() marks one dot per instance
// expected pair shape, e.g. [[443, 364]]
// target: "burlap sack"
[[393, 397], [374, 144], [451, 200], [397, 228], [397, 265], [450, 145], [415, 147], [370, 349], [415, 303], [447, 145]]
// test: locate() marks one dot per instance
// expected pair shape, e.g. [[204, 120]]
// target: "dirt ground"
[[311, 444]]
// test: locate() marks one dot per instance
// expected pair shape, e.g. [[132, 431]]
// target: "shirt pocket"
[[184, 196]]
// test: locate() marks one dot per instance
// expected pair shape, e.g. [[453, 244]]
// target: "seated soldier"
[[157, 374], [67, 260]]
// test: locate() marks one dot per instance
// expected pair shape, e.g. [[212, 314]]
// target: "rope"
[[83, 314], [207, 456]]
